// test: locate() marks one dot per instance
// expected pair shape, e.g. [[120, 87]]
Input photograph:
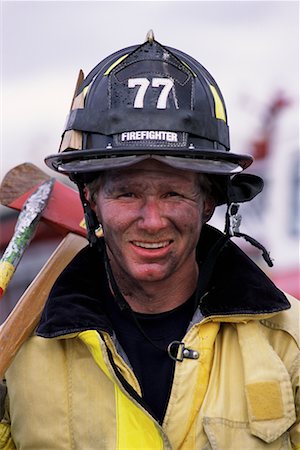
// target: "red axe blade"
[[64, 210]]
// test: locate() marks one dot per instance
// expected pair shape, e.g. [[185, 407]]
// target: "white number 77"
[[167, 84]]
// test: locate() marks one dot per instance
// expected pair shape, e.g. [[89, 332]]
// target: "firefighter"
[[162, 333]]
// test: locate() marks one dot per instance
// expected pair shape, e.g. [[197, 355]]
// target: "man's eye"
[[126, 195], [173, 194]]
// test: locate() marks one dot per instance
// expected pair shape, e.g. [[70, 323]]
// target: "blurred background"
[[251, 48]]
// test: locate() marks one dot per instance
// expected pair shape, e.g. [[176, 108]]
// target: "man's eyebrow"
[[115, 185]]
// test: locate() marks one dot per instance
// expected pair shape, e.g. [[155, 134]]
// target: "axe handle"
[[23, 319]]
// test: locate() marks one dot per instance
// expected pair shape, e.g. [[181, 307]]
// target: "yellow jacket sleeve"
[[6, 442]]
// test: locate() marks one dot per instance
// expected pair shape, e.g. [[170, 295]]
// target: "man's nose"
[[152, 218]]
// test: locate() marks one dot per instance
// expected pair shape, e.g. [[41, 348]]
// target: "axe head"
[[63, 211]]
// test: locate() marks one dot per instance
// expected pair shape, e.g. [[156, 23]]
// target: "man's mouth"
[[151, 245]]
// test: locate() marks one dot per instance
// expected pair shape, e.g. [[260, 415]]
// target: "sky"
[[251, 48]]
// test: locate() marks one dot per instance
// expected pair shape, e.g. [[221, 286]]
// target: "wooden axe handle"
[[23, 319]]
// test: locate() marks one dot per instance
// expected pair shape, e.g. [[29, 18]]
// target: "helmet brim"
[[204, 161]]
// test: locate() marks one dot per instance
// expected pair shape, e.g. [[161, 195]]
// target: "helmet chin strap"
[[90, 217]]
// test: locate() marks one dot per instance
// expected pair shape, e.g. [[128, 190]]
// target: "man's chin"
[[150, 275]]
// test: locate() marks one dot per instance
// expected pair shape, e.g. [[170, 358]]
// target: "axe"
[[63, 212], [24, 232]]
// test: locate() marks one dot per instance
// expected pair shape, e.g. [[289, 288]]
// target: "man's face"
[[151, 216]]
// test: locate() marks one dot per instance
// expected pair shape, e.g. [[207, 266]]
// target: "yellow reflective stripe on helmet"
[[219, 107], [135, 428], [188, 67], [115, 64], [85, 91]]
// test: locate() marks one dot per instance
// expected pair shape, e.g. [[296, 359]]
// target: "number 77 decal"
[[144, 83]]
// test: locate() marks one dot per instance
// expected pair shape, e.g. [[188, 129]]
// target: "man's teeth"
[[151, 244]]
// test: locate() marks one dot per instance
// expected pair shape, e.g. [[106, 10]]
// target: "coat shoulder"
[[288, 320]]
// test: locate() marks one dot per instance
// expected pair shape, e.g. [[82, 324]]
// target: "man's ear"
[[93, 205], [89, 198], [208, 209]]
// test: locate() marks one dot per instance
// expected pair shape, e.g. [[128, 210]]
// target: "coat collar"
[[237, 287]]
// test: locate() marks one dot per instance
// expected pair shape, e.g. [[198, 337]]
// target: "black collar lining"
[[237, 287]]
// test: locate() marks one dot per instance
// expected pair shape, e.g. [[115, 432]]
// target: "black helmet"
[[152, 101], [148, 101]]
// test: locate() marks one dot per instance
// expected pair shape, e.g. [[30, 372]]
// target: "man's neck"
[[160, 296]]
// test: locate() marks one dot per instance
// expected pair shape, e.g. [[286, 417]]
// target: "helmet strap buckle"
[[233, 219]]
